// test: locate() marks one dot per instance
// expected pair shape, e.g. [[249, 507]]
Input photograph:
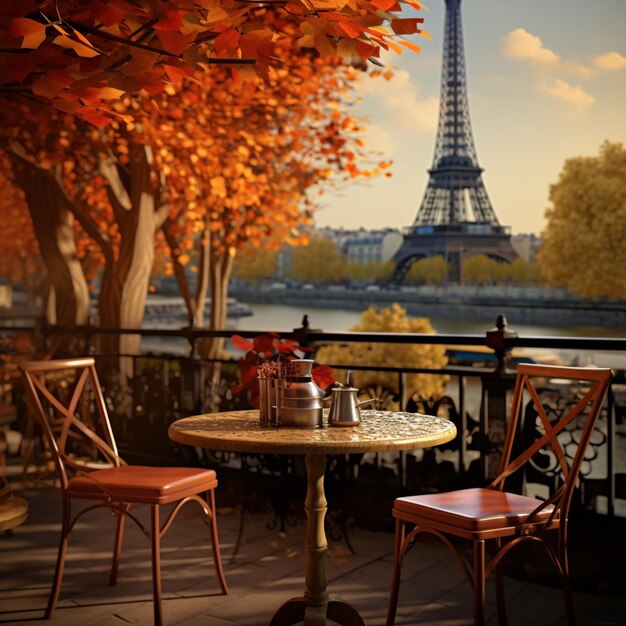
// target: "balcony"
[[260, 502]]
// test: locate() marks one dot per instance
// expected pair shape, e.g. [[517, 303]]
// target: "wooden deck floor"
[[267, 570]]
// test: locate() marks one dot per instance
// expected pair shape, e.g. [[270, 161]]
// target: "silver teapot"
[[345, 408]]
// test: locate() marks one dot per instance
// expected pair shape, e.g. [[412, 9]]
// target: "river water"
[[283, 318]]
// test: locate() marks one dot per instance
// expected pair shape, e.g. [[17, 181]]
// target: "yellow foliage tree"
[[393, 319], [368, 271], [428, 271], [523, 272], [583, 243], [252, 264], [483, 270], [318, 261]]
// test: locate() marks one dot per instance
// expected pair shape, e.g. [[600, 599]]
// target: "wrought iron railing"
[[165, 387]]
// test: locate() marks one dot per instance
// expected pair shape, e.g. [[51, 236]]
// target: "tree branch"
[[160, 51], [116, 190]]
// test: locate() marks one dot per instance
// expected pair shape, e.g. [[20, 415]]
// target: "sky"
[[546, 82]]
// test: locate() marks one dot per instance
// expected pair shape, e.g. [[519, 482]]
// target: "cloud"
[[611, 61], [522, 45], [399, 102], [379, 139], [571, 94], [573, 68]]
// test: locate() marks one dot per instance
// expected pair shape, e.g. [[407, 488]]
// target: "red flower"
[[270, 347]]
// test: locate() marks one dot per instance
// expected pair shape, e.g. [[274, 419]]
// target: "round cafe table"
[[379, 431]]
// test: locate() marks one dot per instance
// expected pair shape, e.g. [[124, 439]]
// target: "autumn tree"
[[523, 272], [582, 245], [391, 320], [243, 164], [318, 261], [74, 174], [34, 173], [481, 269], [428, 271], [227, 171], [19, 252], [82, 56], [368, 271], [252, 264]]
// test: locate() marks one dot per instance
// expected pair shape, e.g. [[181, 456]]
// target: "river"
[[285, 318], [282, 318]]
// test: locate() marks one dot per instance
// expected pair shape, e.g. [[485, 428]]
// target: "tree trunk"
[[125, 284], [52, 219], [204, 277], [221, 267]]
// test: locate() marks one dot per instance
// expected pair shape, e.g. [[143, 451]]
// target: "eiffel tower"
[[456, 219]]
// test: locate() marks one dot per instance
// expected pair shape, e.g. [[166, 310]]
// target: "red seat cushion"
[[471, 509], [137, 483]]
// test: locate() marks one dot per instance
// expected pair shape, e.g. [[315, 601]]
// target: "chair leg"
[[566, 581], [499, 580], [479, 582], [117, 546], [156, 564], [58, 571], [215, 542], [395, 575]]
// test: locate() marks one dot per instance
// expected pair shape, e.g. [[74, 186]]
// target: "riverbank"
[[527, 305]]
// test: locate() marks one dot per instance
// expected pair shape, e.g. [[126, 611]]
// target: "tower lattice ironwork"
[[456, 218]]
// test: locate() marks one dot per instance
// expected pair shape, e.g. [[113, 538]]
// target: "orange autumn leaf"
[[352, 30], [172, 21], [33, 33], [406, 26], [142, 38], [384, 5]]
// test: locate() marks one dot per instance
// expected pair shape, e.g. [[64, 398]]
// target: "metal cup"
[[276, 408], [267, 398]]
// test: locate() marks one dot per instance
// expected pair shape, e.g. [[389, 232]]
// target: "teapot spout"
[[366, 402]]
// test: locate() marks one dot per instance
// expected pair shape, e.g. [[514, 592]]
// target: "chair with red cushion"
[[488, 515], [68, 402]]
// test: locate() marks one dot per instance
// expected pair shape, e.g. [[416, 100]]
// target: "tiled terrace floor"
[[267, 570]]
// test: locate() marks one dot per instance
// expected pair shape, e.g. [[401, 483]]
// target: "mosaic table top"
[[379, 431]]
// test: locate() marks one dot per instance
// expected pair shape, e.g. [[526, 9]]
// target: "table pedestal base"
[[296, 610], [315, 607]]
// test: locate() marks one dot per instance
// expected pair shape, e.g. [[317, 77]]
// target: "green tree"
[[317, 262], [392, 319], [428, 271], [583, 245]]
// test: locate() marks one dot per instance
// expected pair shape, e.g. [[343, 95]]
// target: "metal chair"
[[69, 405], [487, 515]]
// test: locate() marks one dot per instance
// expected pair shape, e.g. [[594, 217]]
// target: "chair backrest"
[[587, 388], [66, 397]]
